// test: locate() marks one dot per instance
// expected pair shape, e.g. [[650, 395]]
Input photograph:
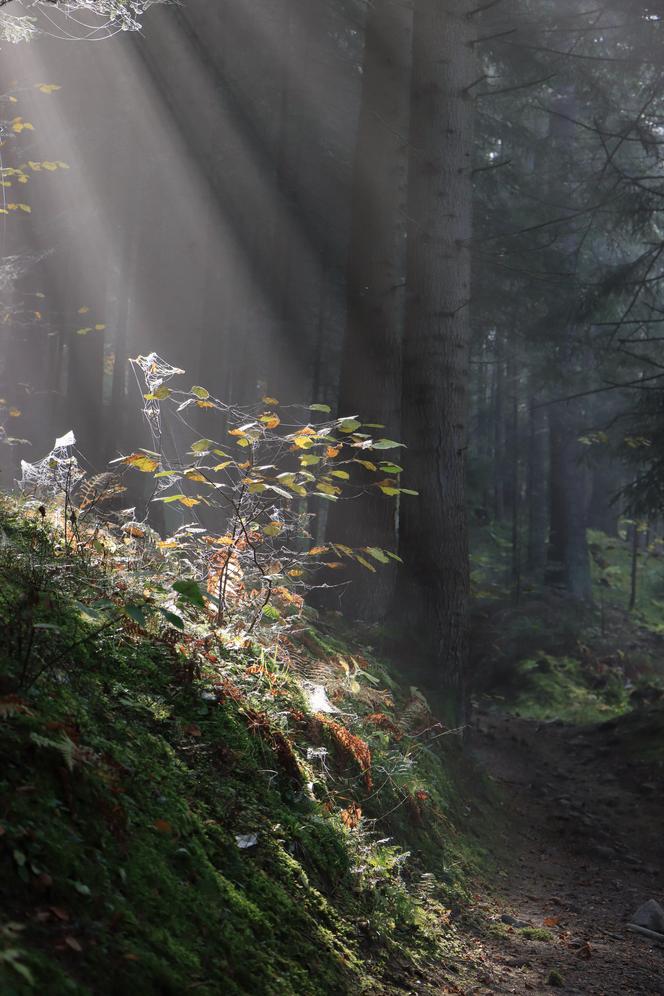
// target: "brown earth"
[[582, 847]]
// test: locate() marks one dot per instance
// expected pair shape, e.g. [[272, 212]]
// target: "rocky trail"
[[583, 836]]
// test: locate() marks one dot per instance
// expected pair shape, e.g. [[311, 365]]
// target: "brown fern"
[[350, 745]]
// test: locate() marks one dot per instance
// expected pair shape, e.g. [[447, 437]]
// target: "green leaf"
[[385, 444], [391, 468], [136, 613], [343, 474], [200, 392], [377, 554], [348, 424], [320, 408], [202, 445], [172, 618], [159, 394], [190, 592]]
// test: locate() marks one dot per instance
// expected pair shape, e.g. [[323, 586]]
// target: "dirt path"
[[586, 831]]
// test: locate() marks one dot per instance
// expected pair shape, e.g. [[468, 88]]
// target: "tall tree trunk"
[[538, 511], [370, 385], [434, 583], [569, 558], [634, 566], [499, 430], [515, 483]]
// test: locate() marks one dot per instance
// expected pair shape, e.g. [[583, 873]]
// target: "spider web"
[[72, 19], [155, 372], [56, 473]]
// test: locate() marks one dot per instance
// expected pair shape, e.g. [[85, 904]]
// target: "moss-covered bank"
[[175, 817]]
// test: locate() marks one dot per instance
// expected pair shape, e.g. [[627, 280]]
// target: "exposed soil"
[[583, 830]]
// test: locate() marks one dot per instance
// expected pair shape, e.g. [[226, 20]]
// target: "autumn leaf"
[[142, 462]]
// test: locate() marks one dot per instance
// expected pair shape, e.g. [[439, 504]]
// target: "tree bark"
[[370, 383], [569, 559], [538, 512], [434, 583]]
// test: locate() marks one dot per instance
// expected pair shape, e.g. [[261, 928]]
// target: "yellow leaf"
[[14, 412], [189, 502], [328, 489], [270, 401], [141, 461], [48, 87]]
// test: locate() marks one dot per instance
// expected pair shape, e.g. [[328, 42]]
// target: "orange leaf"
[[163, 826]]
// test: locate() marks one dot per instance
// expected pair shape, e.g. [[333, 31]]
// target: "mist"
[[331, 378]]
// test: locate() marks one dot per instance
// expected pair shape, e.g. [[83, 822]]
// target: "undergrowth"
[[546, 656], [185, 810]]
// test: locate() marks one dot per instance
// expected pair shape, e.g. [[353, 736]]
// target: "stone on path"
[[650, 916]]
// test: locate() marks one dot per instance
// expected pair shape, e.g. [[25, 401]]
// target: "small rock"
[[650, 916], [513, 921], [603, 851]]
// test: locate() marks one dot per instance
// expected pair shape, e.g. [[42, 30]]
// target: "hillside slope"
[[190, 811]]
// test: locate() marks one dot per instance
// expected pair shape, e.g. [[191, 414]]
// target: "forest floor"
[[584, 848]]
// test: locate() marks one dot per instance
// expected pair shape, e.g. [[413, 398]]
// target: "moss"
[[547, 687], [536, 934], [126, 791], [555, 978]]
